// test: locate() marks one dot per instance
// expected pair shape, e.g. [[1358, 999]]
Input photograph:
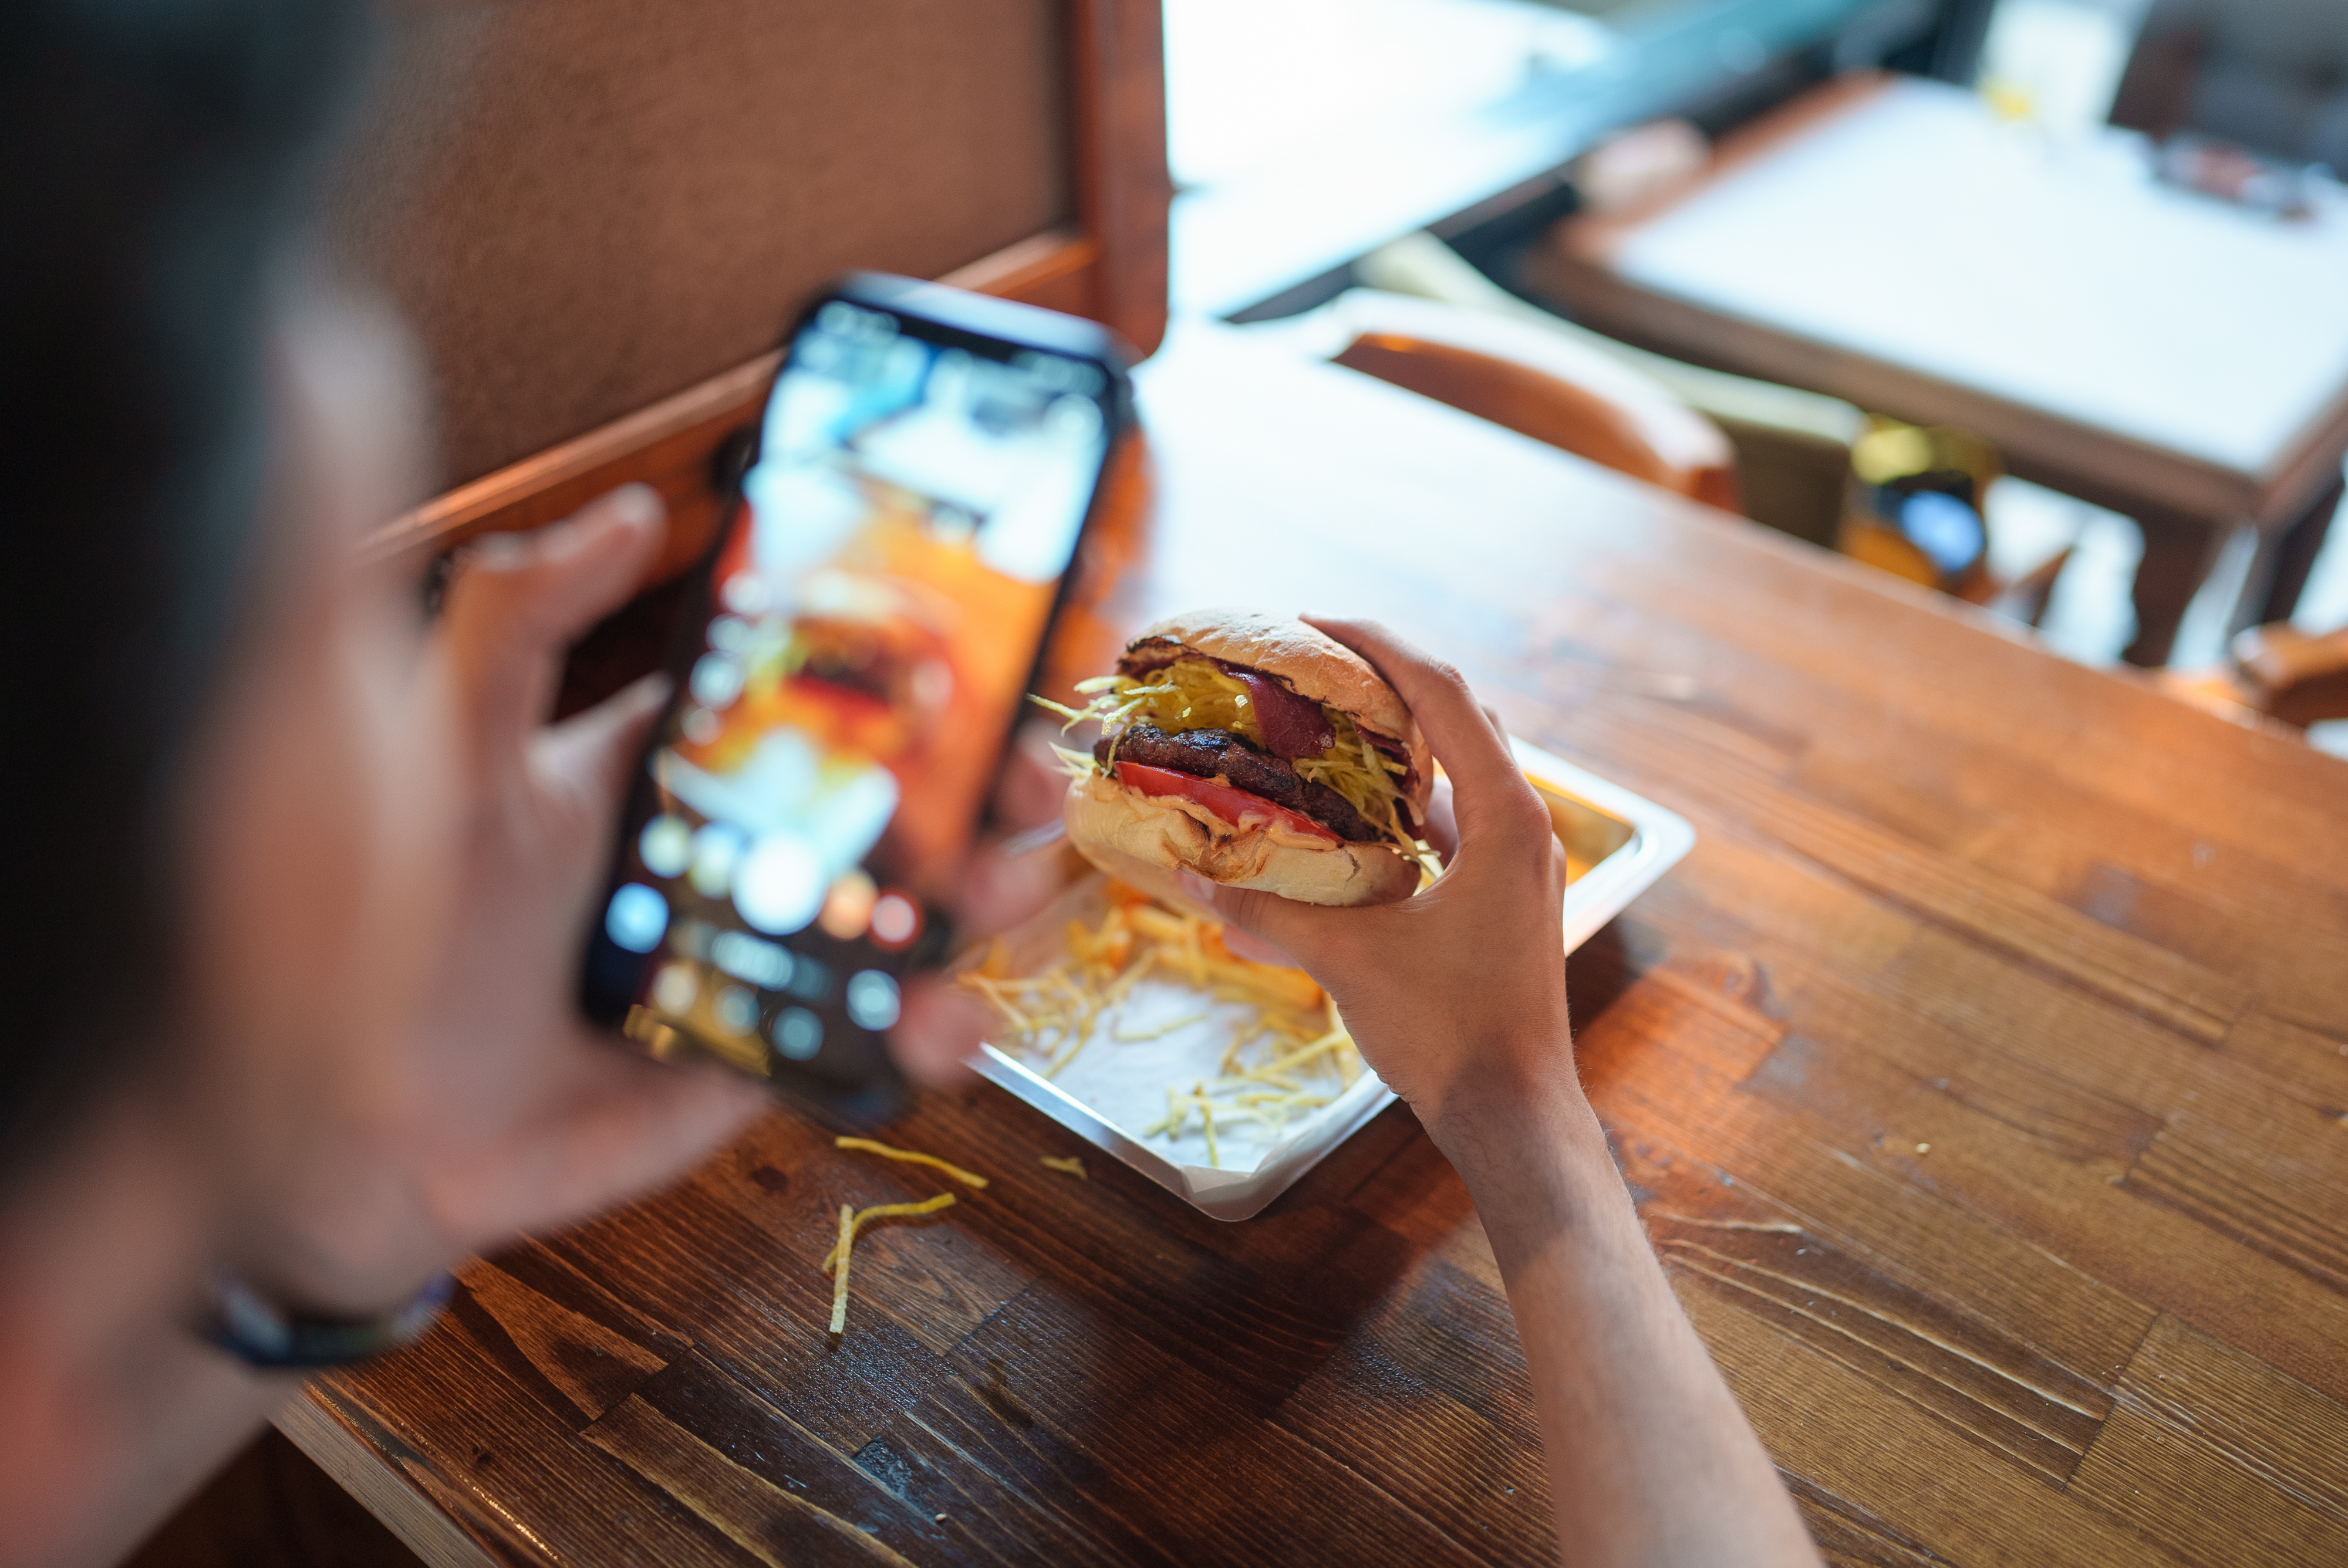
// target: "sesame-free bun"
[[1312, 664], [1149, 840]]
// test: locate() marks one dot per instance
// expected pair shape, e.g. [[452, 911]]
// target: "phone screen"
[[871, 622]]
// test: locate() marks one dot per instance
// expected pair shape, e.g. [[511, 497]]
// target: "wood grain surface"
[[1980, 1077]]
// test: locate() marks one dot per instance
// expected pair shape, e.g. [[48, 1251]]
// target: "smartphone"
[[849, 667]]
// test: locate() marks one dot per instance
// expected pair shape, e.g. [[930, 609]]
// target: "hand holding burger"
[[1457, 997], [1256, 752]]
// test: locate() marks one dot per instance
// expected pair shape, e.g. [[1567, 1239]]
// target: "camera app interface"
[[874, 615]]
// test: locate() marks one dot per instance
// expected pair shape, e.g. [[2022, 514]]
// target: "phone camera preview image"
[[873, 615]]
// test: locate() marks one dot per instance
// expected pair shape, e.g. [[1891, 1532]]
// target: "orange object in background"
[[1539, 384], [1916, 503]]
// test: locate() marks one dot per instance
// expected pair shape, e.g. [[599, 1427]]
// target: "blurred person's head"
[[159, 155], [226, 807]]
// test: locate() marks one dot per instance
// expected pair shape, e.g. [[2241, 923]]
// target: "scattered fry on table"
[[871, 1146], [843, 1250], [840, 1281]]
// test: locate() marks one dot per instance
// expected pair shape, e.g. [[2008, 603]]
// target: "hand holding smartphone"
[[848, 671]]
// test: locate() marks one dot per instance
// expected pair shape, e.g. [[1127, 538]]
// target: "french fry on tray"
[[1288, 1053]]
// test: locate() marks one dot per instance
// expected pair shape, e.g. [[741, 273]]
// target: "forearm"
[[1650, 1458], [212, 1409], [164, 1418], [111, 1410]]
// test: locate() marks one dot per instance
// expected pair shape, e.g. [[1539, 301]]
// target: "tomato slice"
[[1237, 807]]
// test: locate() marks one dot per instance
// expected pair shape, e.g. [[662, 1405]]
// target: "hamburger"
[[1257, 752]]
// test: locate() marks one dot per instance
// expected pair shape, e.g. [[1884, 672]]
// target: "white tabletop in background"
[[1916, 228]]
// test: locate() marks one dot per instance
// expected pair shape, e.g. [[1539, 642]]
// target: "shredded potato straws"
[[1163, 1029], [850, 1222], [1066, 1165], [967, 1178], [840, 1283], [1288, 1035]]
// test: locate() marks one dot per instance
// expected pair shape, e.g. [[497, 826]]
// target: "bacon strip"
[[1292, 726]]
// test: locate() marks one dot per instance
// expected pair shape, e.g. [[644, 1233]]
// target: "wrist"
[[270, 1334], [1505, 1098], [325, 1253], [1535, 1161]]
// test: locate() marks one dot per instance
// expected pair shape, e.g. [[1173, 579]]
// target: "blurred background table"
[[1890, 240], [1978, 1076]]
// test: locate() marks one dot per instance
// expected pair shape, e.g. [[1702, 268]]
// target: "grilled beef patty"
[[1209, 753]]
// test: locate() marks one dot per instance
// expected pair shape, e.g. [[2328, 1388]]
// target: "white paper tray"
[[1617, 845]]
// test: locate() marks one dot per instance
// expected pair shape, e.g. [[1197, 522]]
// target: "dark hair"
[[154, 157]]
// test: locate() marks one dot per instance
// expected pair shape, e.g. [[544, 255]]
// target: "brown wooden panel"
[[2134, 974], [2290, 1436], [2305, 1063], [1730, 1240], [1391, 1405], [271, 1506], [1848, 1536], [2275, 1187], [2222, 1458], [1855, 1440], [1846, 1078], [1663, 1066], [1148, 1419], [1123, 189], [1645, 640], [2184, 1494], [491, 1480], [771, 1523]]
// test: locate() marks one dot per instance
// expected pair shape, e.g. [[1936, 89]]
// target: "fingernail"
[[1198, 887], [495, 549], [637, 504]]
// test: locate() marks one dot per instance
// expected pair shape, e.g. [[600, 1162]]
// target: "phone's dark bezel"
[[987, 326]]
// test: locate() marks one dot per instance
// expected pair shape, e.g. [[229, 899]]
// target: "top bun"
[[1312, 662]]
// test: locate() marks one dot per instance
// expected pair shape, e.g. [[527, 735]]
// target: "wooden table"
[[1888, 240], [1980, 1077]]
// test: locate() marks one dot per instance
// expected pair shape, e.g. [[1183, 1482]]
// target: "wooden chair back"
[[2294, 677], [600, 222], [1539, 384]]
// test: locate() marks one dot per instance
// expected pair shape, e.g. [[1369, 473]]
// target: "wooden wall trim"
[[1124, 190], [553, 484], [669, 443], [1035, 265]]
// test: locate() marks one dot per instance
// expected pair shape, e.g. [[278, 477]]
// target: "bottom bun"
[[1149, 840]]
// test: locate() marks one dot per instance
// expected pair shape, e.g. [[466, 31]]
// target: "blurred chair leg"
[[2026, 596], [2178, 551], [2278, 571], [1793, 481]]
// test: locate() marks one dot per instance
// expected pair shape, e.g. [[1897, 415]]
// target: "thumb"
[[594, 752], [520, 600], [625, 1123], [1298, 932]]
